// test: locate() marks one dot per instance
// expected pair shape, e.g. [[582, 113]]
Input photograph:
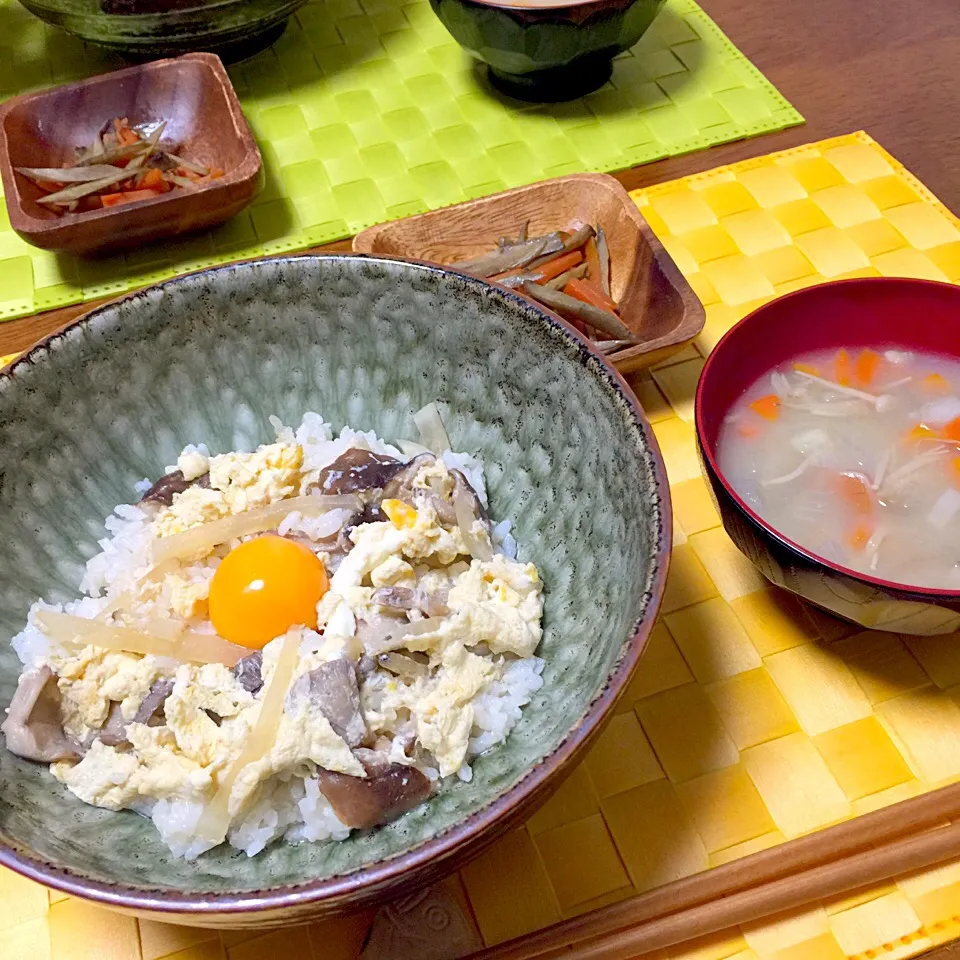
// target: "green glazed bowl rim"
[[438, 855]]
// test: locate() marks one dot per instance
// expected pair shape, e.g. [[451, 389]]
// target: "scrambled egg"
[[238, 482], [93, 678], [492, 612], [498, 603], [188, 597], [255, 479], [444, 714]]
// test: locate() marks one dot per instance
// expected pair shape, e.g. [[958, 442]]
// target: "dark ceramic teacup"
[[547, 51]]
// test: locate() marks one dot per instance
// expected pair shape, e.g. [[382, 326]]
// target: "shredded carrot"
[[843, 368], [854, 490], [952, 430], [934, 383], [768, 407], [588, 293], [859, 536], [128, 196], [749, 431], [867, 365], [955, 470], [216, 173], [553, 268], [152, 178], [125, 136], [807, 368], [921, 432]]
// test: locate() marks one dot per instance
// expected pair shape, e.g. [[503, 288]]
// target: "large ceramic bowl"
[[906, 314], [230, 28], [547, 50], [366, 341]]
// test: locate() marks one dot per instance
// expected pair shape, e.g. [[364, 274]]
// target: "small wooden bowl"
[[656, 302], [193, 94]]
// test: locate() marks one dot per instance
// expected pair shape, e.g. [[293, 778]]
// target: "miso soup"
[[855, 456]]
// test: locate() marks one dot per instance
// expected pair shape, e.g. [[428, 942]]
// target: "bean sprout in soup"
[[854, 455]]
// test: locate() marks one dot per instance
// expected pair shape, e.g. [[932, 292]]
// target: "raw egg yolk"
[[264, 587]]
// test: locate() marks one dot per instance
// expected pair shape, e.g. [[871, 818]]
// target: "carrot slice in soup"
[[748, 430], [921, 432], [955, 471], [867, 365], [807, 368], [768, 407], [843, 368], [934, 383], [859, 536], [853, 490], [952, 430]]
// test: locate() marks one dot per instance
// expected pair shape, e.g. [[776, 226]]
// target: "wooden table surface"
[[884, 66]]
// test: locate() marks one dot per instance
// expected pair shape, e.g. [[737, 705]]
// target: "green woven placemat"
[[367, 110]]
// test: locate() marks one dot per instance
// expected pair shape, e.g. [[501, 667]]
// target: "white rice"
[[292, 807], [496, 708], [503, 540]]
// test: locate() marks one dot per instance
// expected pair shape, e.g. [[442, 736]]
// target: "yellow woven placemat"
[[752, 719]]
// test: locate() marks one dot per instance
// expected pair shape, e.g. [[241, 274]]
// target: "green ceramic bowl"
[[547, 50], [365, 341], [230, 28]]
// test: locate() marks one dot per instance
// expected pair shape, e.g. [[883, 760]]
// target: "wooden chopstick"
[[789, 893], [834, 849]]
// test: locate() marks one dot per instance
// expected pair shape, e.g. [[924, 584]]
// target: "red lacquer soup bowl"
[[887, 311]]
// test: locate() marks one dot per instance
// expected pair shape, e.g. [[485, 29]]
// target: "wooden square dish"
[[193, 94], [655, 300]]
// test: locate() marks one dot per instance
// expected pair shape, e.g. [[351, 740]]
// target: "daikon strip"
[[463, 508], [384, 636], [187, 646], [945, 509], [198, 541], [410, 449], [811, 441], [215, 819], [941, 411], [433, 434]]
